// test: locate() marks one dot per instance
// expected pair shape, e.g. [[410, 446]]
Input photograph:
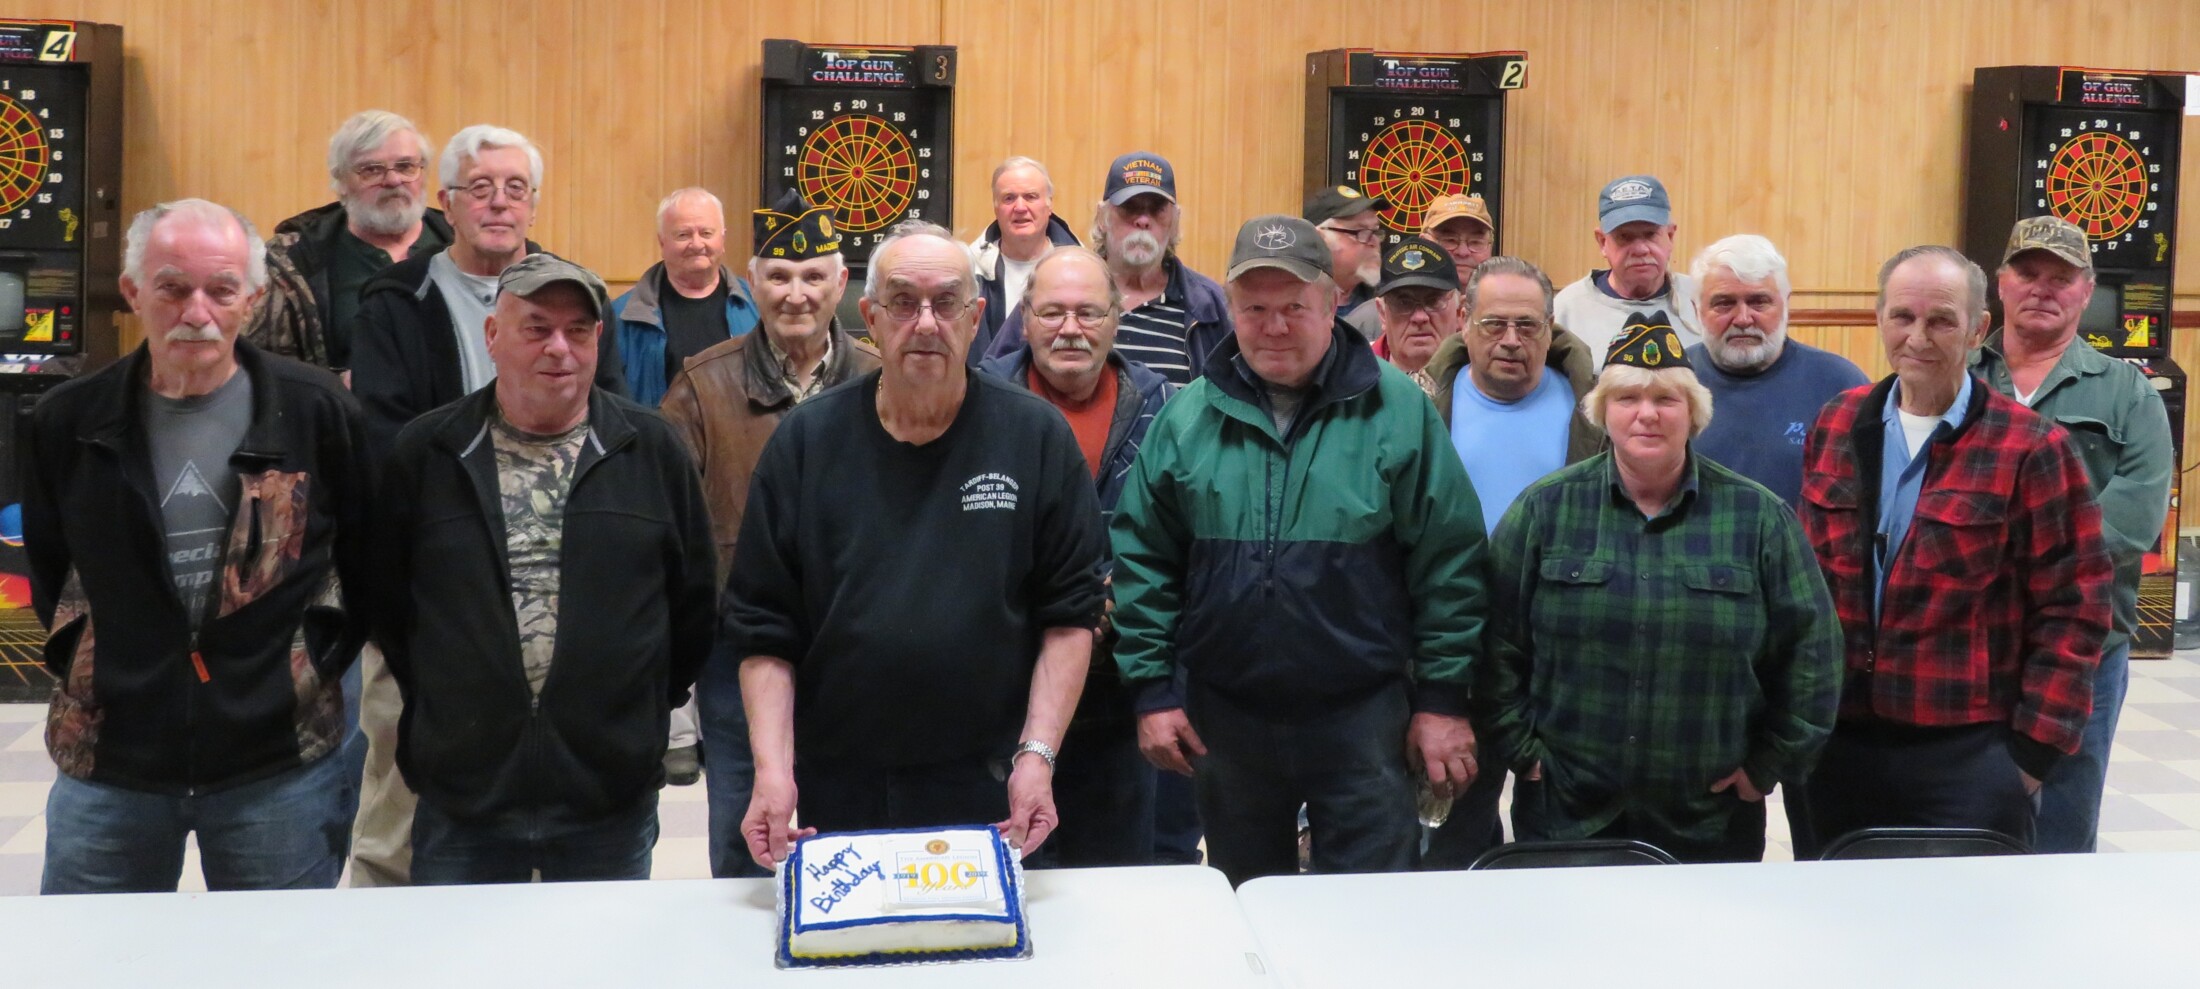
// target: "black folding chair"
[[1572, 854], [1920, 843]]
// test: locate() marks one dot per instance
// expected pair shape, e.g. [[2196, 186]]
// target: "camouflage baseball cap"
[[538, 271], [2052, 234]]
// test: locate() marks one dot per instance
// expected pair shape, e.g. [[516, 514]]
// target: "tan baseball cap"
[[1452, 207], [2052, 234]]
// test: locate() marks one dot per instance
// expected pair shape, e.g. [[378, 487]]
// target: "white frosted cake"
[[896, 897]]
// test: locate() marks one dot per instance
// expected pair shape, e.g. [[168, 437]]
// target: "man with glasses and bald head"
[[894, 698]]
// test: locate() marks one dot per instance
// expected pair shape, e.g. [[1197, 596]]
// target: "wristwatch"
[[1043, 750]]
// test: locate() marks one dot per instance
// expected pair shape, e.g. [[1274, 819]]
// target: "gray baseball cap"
[[1632, 198], [535, 272], [1278, 241]]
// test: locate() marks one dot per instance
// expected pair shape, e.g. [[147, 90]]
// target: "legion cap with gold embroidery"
[[1647, 341], [795, 230]]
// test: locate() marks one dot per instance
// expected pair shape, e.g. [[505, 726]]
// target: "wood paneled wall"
[[1835, 127]]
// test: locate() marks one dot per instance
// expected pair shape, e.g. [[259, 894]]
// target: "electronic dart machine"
[[2097, 147], [1409, 128]]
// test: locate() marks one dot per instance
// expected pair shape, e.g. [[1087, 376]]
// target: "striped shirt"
[[1154, 333]]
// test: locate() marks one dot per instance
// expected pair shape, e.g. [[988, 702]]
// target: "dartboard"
[[875, 156], [2103, 172], [23, 155], [863, 167], [1412, 150]]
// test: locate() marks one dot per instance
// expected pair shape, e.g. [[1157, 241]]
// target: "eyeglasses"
[[1399, 304], [484, 190], [405, 168], [1460, 242], [1088, 317], [905, 308], [1494, 327], [1366, 238]]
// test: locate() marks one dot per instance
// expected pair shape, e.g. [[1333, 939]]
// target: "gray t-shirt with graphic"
[[534, 477], [191, 440]]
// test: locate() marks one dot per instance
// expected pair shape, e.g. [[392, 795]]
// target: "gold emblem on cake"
[[937, 846]]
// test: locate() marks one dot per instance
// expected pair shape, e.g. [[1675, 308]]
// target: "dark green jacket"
[[1568, 356], [2119, 427], [1295, 573]]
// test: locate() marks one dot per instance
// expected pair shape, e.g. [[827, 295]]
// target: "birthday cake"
[[897, 897]]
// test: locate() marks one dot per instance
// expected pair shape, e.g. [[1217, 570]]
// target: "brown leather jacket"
[[726, 402]]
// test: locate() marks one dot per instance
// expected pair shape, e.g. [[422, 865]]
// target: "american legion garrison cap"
[[1648, 342], [795, 230]]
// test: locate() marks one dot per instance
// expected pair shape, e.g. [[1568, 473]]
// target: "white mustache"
[[1079, 344], [1141, 244], [187, 333]]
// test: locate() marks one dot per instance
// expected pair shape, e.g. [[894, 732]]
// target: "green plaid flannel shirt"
[[1642, 659]]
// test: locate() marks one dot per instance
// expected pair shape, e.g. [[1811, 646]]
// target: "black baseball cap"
[[1279, 241], [1138, 173], [1415, 261], [1339, 201]]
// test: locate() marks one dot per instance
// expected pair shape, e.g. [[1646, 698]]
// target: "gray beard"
[[385, 220], [1736, 361]]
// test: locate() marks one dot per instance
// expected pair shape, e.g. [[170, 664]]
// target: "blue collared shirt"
[[1902, 477]]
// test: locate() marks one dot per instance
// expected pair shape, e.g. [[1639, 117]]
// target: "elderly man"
[[321, 258], [1768, 388], [1172, 316], [187, 513], [1635, 235], [1663, 650], [891, 696], [1461, 225], [1297, 539], [1964, 551], [1102, 787], [1354, 233], [686, 303], [726, 405], [419, 343], [535, 492], [1419, 307], [2122, 435], [1024, 227]]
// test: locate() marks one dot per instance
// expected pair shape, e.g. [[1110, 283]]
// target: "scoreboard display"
[[60, 255], [2099, 148], [1409, 128], [866, 130]]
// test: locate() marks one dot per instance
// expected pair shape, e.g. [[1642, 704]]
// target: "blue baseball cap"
[[1137, 174], [1631, 199]]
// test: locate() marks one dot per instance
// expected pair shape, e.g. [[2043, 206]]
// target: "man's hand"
[[766, 827], [2031, 786], [1743, 788], [1031, 814], [1442, 746], [1168, 741]]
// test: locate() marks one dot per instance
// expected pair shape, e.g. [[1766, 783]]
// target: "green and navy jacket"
[[1293, 573]]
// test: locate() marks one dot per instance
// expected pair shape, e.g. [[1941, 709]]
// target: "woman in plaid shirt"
[[1663, 647]]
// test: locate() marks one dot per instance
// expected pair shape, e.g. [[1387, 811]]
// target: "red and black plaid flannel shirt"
[[1996, 606]]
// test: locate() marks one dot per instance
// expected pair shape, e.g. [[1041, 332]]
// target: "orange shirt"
[[1089, 419]]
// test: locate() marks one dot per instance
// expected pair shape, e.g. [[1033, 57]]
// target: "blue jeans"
[[729, 771], [2070, 799], [1346, 765], [449, 852], [284, 832]]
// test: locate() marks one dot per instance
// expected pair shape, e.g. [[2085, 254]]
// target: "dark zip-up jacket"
[[992, 279], [405, 351], [144, 703], [636, 612], [1294, 573], [295, 318]]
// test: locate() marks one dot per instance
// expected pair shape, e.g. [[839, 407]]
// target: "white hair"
[[140, 234], [1627, 377], [362, 133], [1016, 162], [676, 196], [874, 274], [1748, 257], [469, 143]]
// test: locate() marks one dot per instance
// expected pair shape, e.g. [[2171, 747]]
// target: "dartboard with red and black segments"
[[2106, 173], [872, 155], [1410, 150]]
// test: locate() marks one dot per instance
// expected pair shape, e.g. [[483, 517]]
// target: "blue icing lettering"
[[826, 901], [838, 863]]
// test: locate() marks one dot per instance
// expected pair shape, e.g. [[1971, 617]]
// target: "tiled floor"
[[2152, 803]]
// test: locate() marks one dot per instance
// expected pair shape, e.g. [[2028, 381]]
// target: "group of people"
[[1070, 539]]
